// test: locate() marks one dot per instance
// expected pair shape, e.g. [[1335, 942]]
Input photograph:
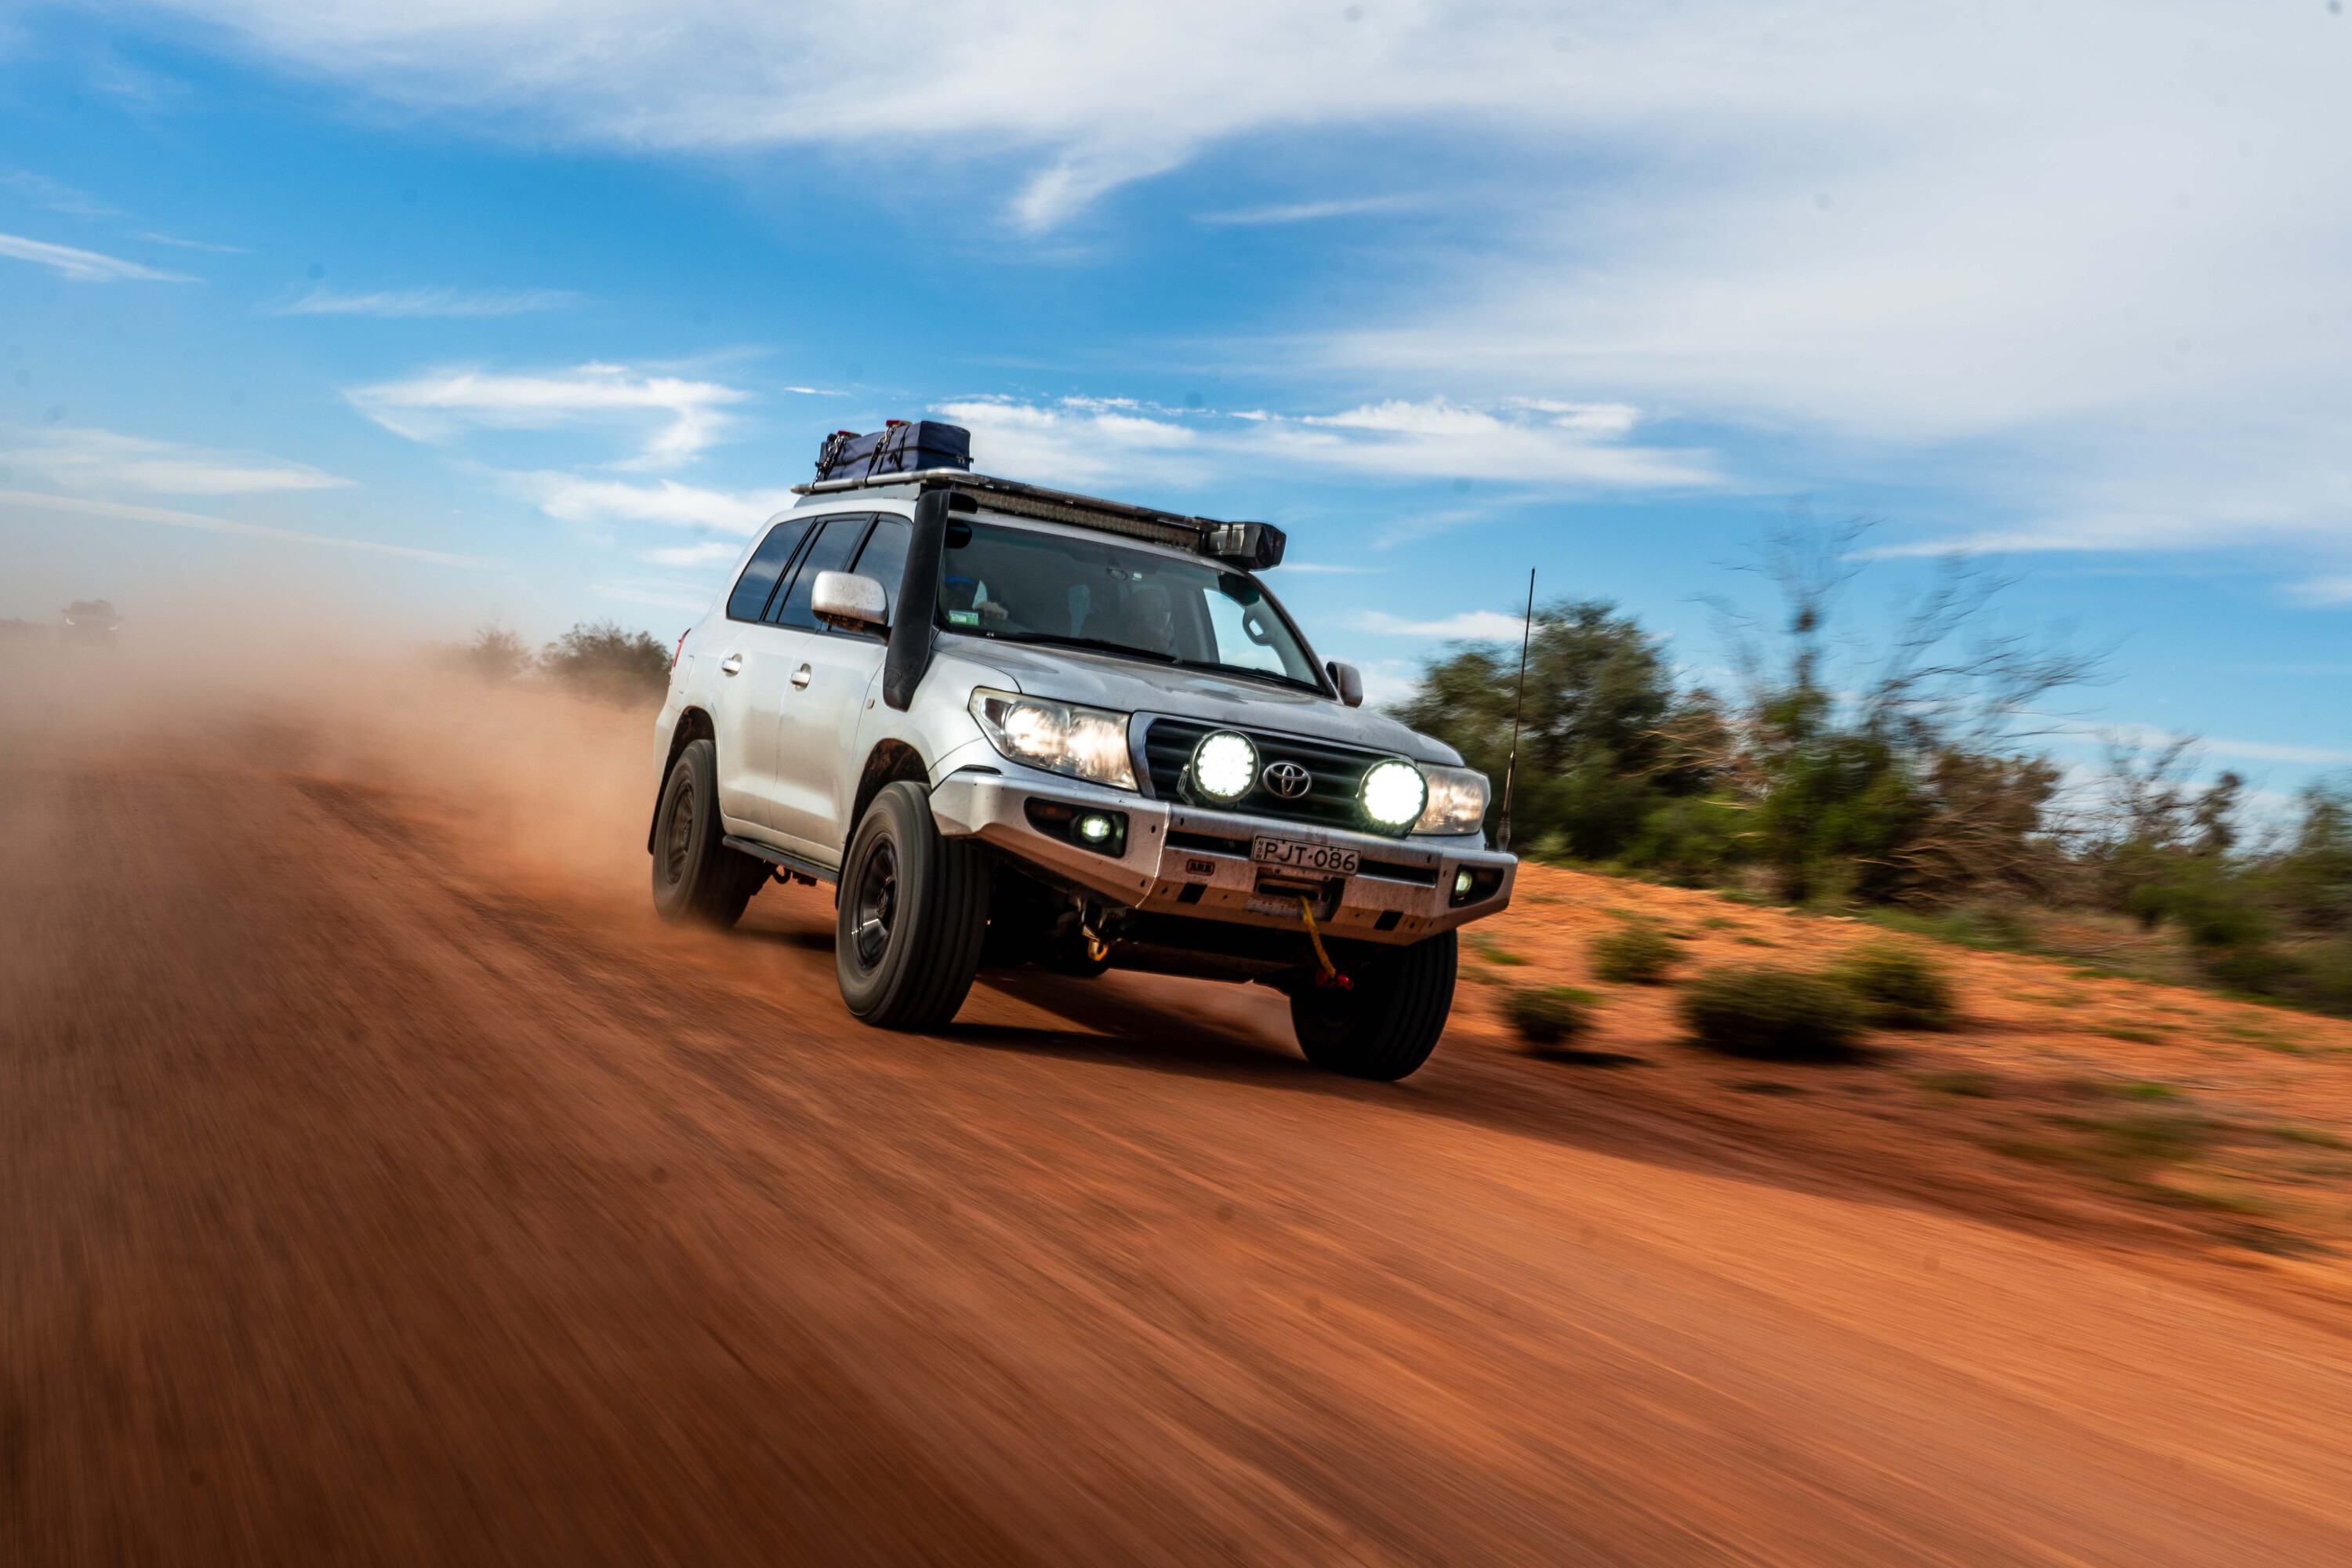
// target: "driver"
[[1148, 619]]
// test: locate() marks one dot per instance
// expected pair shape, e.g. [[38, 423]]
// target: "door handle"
[[732, 665], [800, 676]]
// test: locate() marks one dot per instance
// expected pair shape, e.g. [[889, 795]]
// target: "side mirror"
[[1345, 676], [849, 602]]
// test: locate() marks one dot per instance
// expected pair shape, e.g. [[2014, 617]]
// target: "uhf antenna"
[[1518, 700]]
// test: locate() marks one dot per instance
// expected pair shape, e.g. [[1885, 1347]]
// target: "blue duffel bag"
[[903, 446]]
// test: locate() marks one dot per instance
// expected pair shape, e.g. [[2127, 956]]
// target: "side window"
[[829, 550], [1243, 632], [760, 574], [884, 559]]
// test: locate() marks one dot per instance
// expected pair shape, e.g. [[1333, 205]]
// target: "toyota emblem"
[[1287, 780]]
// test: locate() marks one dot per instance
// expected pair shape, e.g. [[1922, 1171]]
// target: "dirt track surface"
[[383, 1183]]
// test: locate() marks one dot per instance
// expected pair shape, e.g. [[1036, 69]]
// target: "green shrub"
[[1899, 986], [1760, 1011], [1637, 954], [1546, 1014], [599, 659]]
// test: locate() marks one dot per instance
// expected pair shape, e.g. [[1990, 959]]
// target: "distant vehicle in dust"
[[91, 621]]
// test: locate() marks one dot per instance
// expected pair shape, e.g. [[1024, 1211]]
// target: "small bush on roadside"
[[1777, 1013], [1546, 1014], [1637, 954], [494, 655], [1899, 986], [599, 659]]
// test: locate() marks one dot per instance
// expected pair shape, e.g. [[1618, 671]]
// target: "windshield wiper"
[[1100, 644]]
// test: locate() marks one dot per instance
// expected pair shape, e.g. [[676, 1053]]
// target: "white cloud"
[[1077, 443], [709, 552], [78, 507], [2324, 590], [1080, 441], [405, 303], [1470, 625], [84, 266], [665, 597], [197, 244], [432, 407], [59, 198], [86, 460], [1304, 212], [601, 502]]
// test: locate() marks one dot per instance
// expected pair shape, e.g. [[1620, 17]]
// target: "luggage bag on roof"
[[903, 446]]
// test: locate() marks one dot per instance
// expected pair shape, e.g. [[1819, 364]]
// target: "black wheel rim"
[[681, 834], [876, 904]]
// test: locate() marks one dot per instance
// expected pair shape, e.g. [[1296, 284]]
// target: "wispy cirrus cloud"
[[401, 304], [1469, 625], [710, 552], [56, 198], [1304, 212], [592, 502], [79, 506], [1088, 440], [206, 245], [685, 415], [85, 265], [104, 460], [683, 596]]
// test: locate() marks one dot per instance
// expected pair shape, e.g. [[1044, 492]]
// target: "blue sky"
[[447, 313]]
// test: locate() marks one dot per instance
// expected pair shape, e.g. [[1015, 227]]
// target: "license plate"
[[1325, 860]]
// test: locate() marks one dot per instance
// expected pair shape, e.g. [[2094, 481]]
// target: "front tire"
[[913, 914], [697, 879], [1388, 1023]]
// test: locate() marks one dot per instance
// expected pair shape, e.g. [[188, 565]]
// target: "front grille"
[[1329, 801]]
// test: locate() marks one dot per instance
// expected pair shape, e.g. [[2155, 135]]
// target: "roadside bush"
[[1636, 955], [599, 659], [495, 655], [1898, 986], [1548, 1014], [1776, 1013]]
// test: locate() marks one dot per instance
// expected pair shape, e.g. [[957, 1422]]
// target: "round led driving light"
[[1394, 793], [1094, 829], [1224, 764]]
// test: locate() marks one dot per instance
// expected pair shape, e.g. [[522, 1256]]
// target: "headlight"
[[1060, 737], [1394, 793], [1457, 800], [1224, 765]]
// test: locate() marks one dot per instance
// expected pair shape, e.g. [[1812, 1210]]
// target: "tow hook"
[[1329, 977]]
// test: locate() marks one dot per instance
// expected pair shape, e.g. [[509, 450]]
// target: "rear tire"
[[697, 879], [913, 914], [1388, 1023]]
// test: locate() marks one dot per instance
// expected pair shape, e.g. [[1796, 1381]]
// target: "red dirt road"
[[383, 1186]]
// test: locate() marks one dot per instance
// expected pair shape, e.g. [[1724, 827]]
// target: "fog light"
[[1461, 883], [1094, 828], [1224, 765]]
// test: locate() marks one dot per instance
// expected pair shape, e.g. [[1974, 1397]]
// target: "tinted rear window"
[[884, 559], [760, 574], [828, 551]]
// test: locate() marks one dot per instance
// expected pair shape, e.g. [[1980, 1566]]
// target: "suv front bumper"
[[1180, 860]]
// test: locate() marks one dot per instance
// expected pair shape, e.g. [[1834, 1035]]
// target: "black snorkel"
[[919, 596]]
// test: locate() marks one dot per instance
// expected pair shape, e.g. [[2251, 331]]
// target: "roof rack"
[[1253, 545]]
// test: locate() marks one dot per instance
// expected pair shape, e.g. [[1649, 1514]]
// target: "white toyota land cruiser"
[[1015, 725]]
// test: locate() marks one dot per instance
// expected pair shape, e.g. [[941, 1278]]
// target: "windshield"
[[1029, 585]]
